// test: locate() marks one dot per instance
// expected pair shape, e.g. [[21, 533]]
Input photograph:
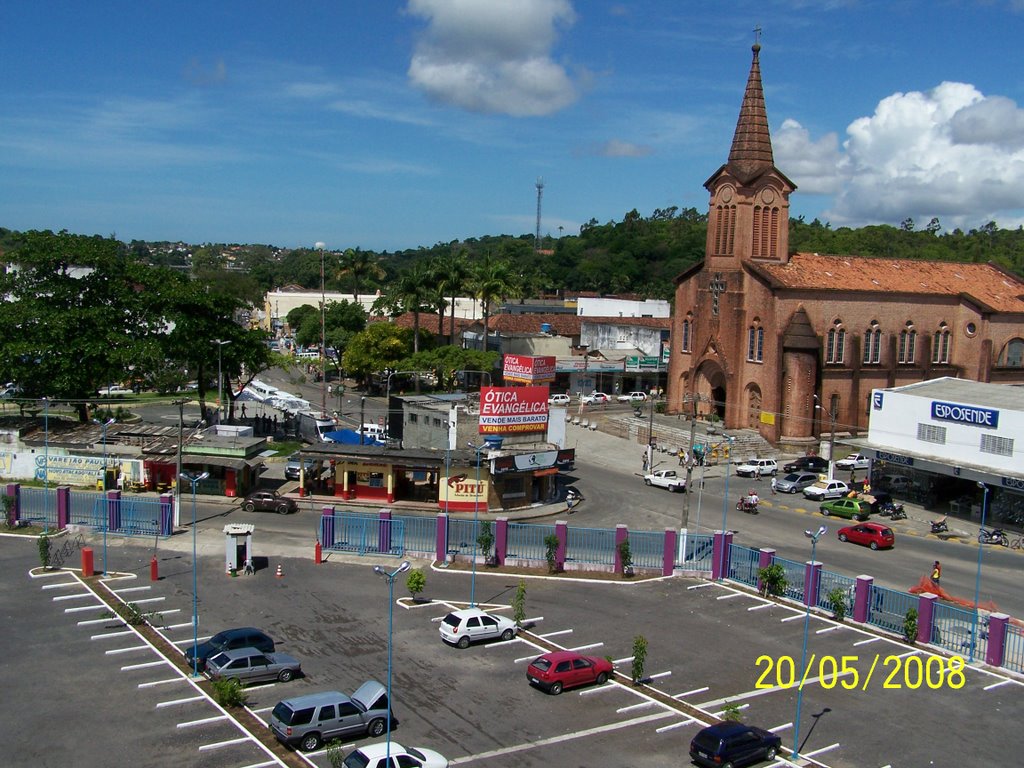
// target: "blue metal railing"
[[420, 534], [743, 564], [795, 574], [1013, 648], [362, 534], [698, 554], [888, 608], [591, 545], [526, 541], [829, 581], [39, 505], [647, 548], [462, 536], [954, 628]]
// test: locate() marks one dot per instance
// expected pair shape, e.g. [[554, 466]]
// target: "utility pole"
[[692, 399]]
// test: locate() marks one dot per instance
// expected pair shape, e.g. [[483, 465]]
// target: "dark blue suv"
[[733, 744]]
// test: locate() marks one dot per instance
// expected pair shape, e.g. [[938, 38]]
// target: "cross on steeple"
[[757, 35], [717, 287]]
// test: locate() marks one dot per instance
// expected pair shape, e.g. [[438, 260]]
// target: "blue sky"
[[396, 124]]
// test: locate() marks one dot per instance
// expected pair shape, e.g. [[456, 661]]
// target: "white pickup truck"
[[666, 478]]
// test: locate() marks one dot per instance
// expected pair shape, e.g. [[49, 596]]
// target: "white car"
[[757, 467], [375, 756], [826, 489], [633, 397], [558, 400], [854, 461], [666, 478], [595, 397], [460, 628]]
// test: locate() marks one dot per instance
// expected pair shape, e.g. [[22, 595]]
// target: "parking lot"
[[119, 704]]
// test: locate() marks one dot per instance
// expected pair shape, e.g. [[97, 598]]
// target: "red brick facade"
[[758, 332]]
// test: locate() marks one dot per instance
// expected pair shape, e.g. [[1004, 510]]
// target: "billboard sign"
[[529, 369], [513, 410]]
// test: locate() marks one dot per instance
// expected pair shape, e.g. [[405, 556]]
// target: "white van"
[[376, 431], [309, 354]]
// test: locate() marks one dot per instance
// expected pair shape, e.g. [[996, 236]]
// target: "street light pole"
[[323, 335], [831, 435], [725, 501], [220, 401], [390, 576], [476, 524], [194, 480], [977, 575], [106, 509], [813, 536]]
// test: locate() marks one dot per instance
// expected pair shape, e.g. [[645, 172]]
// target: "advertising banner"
[[529, 369], [513, 410]]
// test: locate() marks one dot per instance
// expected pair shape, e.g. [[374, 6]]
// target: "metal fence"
[[1013, 648], [139, 517], [362, 534], [87, 509], [591, 545], [698, 554], [647, 549], [462, 535], [743, 564], [39, 505], [888, 608], [954, 629], [829, 581], [796, 575], [526, 541], [420, 534]]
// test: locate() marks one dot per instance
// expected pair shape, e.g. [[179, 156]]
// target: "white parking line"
[[868, 641], [821, 751], [73, 597], [127, 650], [145, 665], [178, 626], [163, 682], [794, 617], [759, 607], [261, 709], [95, 607], [105, 635], [688, 721], [690, 693], [730, 596], [222, 744], [556, 634], [623, 661], [105, 620], [833, 628], [200, 639], [149, 600], [659, 674], [175, 702], [996, 685], [641, 705], [61, 584], [586, 647], [702, 585], [204, 721], [741, 706], [783, 727], [130, 589], [261, 765]]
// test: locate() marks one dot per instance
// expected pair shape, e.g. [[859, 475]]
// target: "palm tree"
[[410, 293], [451, 272], [491, 279], [359, 265]]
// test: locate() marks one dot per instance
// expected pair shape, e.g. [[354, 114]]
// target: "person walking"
[[774, 481], [243, 410], [936, 573], [643, 457]]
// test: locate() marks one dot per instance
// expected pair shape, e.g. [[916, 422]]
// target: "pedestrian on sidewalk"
[[243, 410], [774, 481], [936, 573], [643, 457]]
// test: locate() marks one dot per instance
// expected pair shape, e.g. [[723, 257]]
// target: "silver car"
[[311, 720], [795, 482], [250, 665]]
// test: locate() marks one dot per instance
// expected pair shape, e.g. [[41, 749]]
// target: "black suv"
[[732, 743], [229, 640], [807, 464], [269, 501]]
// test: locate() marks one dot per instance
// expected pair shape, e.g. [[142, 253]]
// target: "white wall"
[[587, 307]]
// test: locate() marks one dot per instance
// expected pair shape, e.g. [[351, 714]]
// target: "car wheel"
[[377, 727], [507, 635], [873, 545], [249, 507], [861, 518], [310, 742], [602, 678], [283, 509], [769, 754], [647, 482], [463, 642], [727, 765], [826, 512], [842, 537], [555, 689], [285, 675]]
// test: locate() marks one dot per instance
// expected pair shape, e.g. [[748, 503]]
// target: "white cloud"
[[949, 152], [618, 148], [493, 56]]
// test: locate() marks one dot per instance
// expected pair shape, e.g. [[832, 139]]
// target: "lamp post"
[[813, 536], [323, 335], [106, 509], [725, 501], [977, 575], [831, 435], [220, 402], [476, 515], [194, 480], [390, 576]]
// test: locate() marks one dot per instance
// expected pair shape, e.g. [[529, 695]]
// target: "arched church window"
[[835, 344], [940, 345], [687, 333], [1012, 355], [755, 342], [873, 344], [907, 344]]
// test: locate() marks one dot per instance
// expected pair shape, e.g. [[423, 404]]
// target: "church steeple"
[[751, 151]]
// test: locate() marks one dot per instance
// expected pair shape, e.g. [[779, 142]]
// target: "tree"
[[359, 266], [380, 346], [446, 361], [412, 292], [451, 272], [491, 279]]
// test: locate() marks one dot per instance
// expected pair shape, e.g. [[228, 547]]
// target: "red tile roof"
[[986, 284]]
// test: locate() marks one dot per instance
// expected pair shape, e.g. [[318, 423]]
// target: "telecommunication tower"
[[540, 193]]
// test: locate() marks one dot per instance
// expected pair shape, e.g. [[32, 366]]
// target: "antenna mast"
[[540, 193]]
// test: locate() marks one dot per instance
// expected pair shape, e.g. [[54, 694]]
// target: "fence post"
[[441, 538], [862, 590], [621, 534], [63, 506], [720, 554], [384, 532], [812, 580], [113, 513], [501, 539], [995, 654], [327, 527], [668, 557], [925, 616], [765, 556], [14, 491], [562, 532], [166, 514]]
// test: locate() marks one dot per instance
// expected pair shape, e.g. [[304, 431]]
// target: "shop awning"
[[543, 472]]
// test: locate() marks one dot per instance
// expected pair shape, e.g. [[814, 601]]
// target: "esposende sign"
[[965, 414], [513, 410]]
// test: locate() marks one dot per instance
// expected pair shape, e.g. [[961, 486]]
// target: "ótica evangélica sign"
[[965, 414], [512, 410]]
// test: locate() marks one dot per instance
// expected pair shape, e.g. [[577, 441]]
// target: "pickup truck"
[[853, 509], [666, 478]]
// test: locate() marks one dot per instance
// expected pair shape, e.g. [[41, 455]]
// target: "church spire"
[[751, 151]]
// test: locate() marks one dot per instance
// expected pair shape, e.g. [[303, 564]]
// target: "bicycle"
[[1017, 543]]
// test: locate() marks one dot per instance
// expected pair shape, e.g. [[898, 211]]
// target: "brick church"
[[761, 336]]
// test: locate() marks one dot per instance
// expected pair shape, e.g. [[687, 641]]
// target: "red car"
[[874, 535], [556, 671]]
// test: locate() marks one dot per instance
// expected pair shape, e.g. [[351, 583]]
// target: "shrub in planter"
[[626, 557], [550, 551], [44, 550], [910, 626], [731, 711], [416, 582], [519, 603], [639, 658], [486, 542], [229, 693], [773, 580], [836, 599]]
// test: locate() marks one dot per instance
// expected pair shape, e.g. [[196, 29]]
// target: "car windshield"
[[219, 640], [219, 660], [356, 760], [707, 741], [283, 713], [791, 478], [541, 663]]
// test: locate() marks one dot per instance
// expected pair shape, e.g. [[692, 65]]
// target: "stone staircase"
[[671, 434]]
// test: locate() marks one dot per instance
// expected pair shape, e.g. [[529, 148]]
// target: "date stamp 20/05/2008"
[[899, 672]]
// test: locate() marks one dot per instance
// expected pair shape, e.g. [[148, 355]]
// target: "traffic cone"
[[279, 573]]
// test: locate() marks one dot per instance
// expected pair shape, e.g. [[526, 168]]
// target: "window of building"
[[755, 343], [766, 231], [414, 418], [907, 345], [687, 332], [1012, 355], [873, 344], [725, 227], [1000, 446], [940, 345], [835, 344], [437, 422], [930, 433]]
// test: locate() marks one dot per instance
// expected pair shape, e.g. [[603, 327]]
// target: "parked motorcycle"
[[895, 511], [993, 536], [939, 526], [745, 504]]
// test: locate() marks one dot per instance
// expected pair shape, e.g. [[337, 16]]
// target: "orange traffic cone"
[[279, 573]]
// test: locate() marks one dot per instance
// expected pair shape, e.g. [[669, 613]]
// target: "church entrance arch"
[[709, 384], [753, 406]]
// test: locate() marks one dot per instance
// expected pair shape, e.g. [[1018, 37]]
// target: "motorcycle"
[[993, 536], [895, 511], [746, 505], [939, 526]]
